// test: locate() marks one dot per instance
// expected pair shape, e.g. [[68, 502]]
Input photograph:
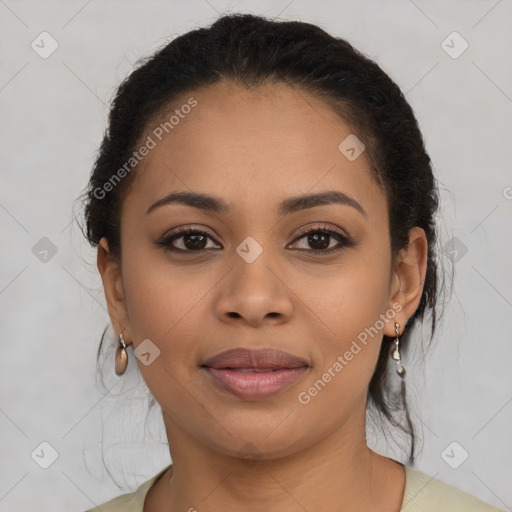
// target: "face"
[[259, 270]]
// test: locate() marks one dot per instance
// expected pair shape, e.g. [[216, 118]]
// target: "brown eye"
[[186, 240], [319, 241], [194, 242]]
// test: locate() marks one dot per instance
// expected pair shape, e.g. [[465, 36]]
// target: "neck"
[[339, 472]]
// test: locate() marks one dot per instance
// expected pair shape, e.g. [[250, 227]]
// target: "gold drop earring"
[[121, 356]]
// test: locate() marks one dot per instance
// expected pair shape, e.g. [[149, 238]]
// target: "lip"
[[255, 374]]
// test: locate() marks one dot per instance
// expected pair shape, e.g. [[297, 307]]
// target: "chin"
[[265, 443]]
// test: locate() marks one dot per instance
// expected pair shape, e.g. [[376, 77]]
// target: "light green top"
[[422, 494]]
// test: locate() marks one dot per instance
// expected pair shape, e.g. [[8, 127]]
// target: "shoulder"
[[131, 502], [424, 493]]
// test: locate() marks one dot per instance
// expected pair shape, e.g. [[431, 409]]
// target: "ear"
[[110, 271], [408, 279]]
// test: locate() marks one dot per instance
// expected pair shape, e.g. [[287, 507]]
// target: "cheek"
[[351, 304], [165, 312], [350, 296], [168, 304], [161, 297]]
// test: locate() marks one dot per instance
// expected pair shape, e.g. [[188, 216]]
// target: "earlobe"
[[409, 277]]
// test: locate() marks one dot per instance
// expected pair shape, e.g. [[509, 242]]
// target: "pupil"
[[194, 243], [313, 239]]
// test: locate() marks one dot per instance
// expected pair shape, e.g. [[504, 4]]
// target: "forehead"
[[251, 144]]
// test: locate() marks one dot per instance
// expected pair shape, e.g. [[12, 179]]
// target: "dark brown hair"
[[252, 50]]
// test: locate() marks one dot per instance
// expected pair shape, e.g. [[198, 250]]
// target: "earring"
[[396, 353], [121, 356]]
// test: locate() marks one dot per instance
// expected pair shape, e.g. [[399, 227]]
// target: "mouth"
[[254, 374]]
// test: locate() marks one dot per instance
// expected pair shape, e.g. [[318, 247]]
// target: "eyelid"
[[322, 226], [188, 228]]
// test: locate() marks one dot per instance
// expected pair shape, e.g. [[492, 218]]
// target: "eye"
[[190, 240], [195, 240], [320, 239]]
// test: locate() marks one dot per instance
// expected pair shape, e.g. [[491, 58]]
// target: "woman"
[[264, 212]]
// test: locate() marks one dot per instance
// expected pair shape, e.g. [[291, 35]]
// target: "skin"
[[255, 148]]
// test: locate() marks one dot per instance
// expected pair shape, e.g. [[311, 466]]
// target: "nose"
[[255, 292]]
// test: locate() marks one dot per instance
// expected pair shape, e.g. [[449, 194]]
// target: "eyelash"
[[342, 239]]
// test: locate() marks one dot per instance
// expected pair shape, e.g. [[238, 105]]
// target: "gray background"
[[53, 114]]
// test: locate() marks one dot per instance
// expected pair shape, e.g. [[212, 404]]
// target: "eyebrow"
[[209, 203]]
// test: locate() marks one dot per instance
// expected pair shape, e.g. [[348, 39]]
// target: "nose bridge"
[[253, 264], [254, 287]]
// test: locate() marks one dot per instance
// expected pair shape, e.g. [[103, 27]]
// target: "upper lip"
[[264, 358]]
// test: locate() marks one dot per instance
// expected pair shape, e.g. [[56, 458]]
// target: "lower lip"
[[255, 385]]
